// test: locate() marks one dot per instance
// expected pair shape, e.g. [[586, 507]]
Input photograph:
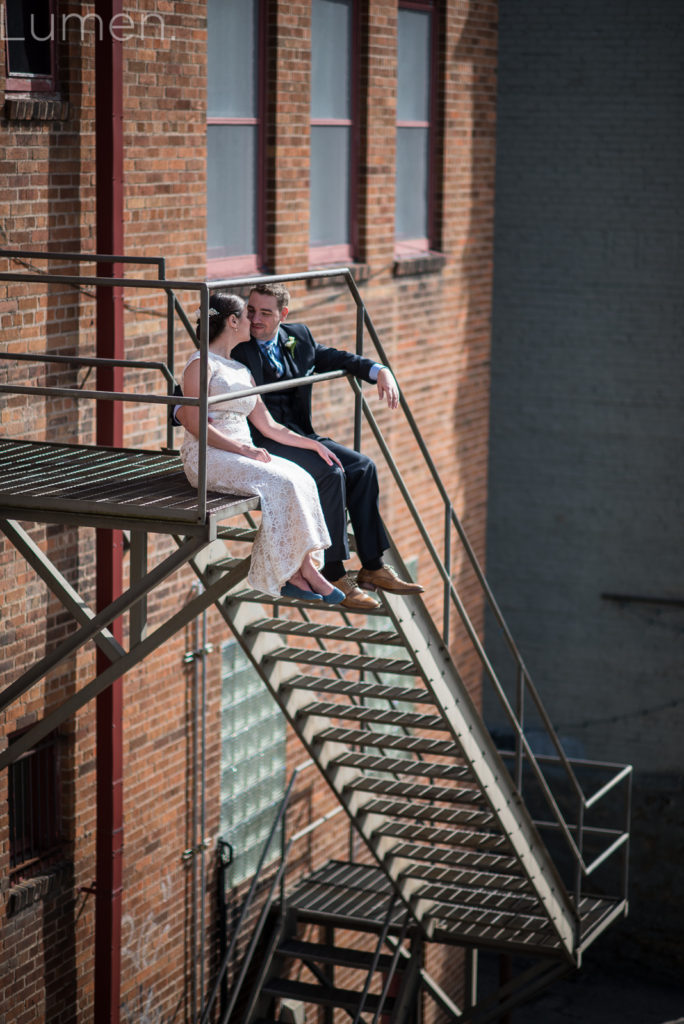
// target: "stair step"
[[330, 631], [481, 899], [421, 812], [247, 533], [490, 918], [415, 790], [383, 716], [456, 858], [445, 836], [358, 662], [258, 597], [402, 766], [283, 988], [447, 877], [366, 738], [359, 688], [340, 956], [479, 933]]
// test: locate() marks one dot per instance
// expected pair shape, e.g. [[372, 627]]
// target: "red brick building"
[[243, 152]]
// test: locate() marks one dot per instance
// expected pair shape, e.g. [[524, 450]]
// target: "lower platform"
[[358, 896], [116, 488]]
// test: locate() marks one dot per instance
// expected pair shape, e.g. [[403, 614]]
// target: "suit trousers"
[[356, 488]]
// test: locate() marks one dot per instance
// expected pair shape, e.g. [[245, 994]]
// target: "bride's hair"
[[221, 306]]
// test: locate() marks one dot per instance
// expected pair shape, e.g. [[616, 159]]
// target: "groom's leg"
[[361, 477], [330, 482]]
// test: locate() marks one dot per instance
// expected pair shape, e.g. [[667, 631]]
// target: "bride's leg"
[[300, 580], [313, 578]]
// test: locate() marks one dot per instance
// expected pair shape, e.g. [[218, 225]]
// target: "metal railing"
[[574, 832], [276, 888]]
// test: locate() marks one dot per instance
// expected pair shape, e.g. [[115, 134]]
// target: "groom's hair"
[[278, 291]]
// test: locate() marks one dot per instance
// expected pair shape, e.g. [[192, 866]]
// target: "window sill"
[[24, 894], [359, 272], [27, 107], [421, 263]]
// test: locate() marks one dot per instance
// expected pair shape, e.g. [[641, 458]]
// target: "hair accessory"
[[212, 312]]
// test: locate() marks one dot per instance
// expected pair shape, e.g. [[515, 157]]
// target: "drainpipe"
[[109, 543]]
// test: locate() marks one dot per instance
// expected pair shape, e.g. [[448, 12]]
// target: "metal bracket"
[[204, 845], [191, 656]]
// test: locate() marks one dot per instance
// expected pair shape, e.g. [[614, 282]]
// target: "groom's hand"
[[388, 388]]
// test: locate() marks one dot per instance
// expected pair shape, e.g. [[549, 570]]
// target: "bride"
[[292, 532]]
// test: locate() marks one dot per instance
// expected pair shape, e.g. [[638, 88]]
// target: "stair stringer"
[[434, 665], [441, 677]]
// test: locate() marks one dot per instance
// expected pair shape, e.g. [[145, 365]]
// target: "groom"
[[282, 351]]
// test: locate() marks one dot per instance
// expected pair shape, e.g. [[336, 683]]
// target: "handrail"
[[376, 958], [278, 820]]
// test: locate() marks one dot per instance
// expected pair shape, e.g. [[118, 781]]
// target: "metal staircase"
[[473, 846], [413, 764]]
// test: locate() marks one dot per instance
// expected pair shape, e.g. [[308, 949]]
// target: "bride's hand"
[[326, 454], [258, 454]]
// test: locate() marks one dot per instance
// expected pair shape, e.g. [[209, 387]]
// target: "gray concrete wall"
[[586, 478]]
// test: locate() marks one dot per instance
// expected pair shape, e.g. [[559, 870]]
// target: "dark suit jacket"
[[302, 357]]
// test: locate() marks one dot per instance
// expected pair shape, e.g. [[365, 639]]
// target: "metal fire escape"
[[471, 846]]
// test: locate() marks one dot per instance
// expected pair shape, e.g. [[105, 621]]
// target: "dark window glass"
[[34, 814], [30, 30]]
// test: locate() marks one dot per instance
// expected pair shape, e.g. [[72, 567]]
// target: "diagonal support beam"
[[94, 626], [123, 664], [59, 585]]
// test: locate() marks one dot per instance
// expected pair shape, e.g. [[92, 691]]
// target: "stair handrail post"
[[580, 861], [203, 403], [360, 313], [223, 967], [392, 969], [376, 958], [446, 615], [520, 712]]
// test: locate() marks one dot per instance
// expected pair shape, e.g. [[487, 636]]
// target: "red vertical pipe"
[[109, 543]]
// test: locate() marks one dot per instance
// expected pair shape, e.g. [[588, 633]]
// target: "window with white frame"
[[413, 209], [252, 762], [333, 102], [234, 136]]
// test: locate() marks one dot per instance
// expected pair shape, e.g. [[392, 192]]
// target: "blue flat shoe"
[[336, 596], [290, 590]]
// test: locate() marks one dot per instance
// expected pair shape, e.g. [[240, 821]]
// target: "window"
[[413, 211], [252, 762], [333, 140], [30, 45], [234, 137], [34, 812]]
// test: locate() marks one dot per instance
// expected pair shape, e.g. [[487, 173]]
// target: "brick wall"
[[585, 498], [433, 319]]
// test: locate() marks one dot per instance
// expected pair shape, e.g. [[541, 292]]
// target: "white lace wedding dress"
[[292, 523]]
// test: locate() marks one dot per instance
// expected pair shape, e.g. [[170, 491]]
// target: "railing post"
[[204, 406], [170, 359], [580, 846], [446, 618], [357, 399], [520, 714]]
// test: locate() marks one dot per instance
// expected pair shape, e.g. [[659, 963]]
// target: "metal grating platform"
[[358, 896], [50, 482]]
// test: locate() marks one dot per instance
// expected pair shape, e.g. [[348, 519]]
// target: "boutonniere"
[[291, 343]]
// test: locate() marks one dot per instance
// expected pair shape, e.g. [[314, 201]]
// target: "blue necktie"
[[272, 350]]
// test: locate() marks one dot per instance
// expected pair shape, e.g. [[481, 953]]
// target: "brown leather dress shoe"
[[354, 597], [385, 578]]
